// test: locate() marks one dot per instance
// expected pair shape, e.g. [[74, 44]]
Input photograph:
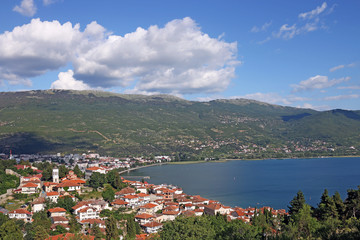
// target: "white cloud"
[[176, 59], [318, 108], [26, 8], [67, 81], [341, 97], [263, 28], [317, 82], [350, 87], [313, 13], [306, 22], [32, 49], [336, 68], [333, 69], [49, 2], [273, 98]]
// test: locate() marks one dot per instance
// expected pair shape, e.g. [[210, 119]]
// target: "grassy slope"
[[50, 121]]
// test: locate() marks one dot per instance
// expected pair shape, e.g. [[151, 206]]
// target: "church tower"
[[55, 175]]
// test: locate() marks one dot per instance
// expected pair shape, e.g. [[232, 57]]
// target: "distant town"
[[81, 195]]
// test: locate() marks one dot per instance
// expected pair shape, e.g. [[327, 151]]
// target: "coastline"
[[229, 159]]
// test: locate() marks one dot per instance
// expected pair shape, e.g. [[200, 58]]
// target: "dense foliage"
[[331, 219], [115, 124]]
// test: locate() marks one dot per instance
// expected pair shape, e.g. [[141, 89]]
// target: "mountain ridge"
[[123, 124]]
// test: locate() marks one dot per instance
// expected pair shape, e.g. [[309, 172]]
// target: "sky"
[[302, 54]]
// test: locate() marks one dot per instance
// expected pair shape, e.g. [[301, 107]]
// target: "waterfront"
[[260, 183]]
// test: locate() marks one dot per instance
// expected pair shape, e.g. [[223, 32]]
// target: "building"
[[38, 204], [57, 212], [55, 175], [21, 214]]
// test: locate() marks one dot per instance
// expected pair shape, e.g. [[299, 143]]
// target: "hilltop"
[[121, 124]]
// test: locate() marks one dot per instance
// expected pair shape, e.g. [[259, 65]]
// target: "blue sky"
[[293, 53]]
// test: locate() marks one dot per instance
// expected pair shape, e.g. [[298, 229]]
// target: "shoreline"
[[226, 160]]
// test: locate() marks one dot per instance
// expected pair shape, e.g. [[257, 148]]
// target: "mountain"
[[118, 124]]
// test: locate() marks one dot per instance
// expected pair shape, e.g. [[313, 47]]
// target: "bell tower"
[[55, 175]]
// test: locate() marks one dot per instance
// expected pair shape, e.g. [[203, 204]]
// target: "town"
[[84, 195]]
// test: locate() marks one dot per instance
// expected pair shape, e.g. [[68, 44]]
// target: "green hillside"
[[119, 125]]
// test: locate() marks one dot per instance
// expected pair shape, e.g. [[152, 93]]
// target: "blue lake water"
[[260, 183]]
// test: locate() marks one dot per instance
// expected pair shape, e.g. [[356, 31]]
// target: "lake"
[[259, 183]]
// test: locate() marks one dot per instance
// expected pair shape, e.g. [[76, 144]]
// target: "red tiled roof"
[[213, 206], [52, 193], [149, 205], [47, 184], [93, 168], [21, 211], [39, 200], [152, 224], [30, 185], [171, 212], [68, 236], [144, 216], [130, 196], [143, 195], [92, 221], [125, 191], [86, 208], [57, 209], [21, 166], [119, 202], [69, 183]]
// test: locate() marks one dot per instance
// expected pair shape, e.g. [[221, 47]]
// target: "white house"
[[21, 214]]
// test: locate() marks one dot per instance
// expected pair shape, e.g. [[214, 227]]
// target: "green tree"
[[40, 233], [307, 225], [10, 231], [340, 206], [352, 203], [108, 194], [66, 202], [326, 207], [188, 228], [95, 231], [97, 180], [59, 230], [112, 231], [297, 203], [63, 171], [78, 172]]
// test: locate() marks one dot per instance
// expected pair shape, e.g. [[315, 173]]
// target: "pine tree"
[[340, 206], [112, 232], [40, 233], [326, 207], [297, 203]]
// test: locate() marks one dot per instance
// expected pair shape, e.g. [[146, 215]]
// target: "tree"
[[66, 202], [74, 225], [188, 228], [108, 194], [118, 183], [10, 231], [352, 203], [112, 232], [95, 231], [40, 233], [63, 171], [340, 206], [97, 180], [78, 172], [307, 225], [326, 207], [59, 230], [297, 203]]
